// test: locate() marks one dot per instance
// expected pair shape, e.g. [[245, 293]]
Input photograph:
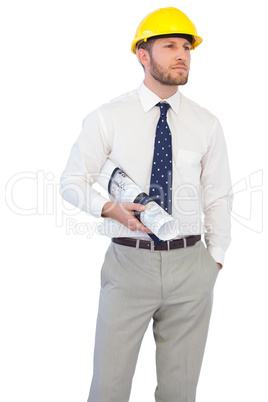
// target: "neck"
[[163, 91]]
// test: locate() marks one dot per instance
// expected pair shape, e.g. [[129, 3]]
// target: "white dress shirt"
[[124, 131]]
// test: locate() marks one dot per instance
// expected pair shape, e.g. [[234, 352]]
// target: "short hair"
[[146, 45]]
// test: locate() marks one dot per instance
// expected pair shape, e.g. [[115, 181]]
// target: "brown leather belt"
[[150, 245]]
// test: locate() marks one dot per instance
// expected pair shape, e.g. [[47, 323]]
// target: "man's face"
[[170, 61]]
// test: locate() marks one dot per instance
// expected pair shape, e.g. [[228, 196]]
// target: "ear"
[[144, 57]]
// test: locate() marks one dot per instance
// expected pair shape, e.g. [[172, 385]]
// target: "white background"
[[60, 60]]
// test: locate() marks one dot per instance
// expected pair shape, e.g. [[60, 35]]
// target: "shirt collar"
[[149, 99]]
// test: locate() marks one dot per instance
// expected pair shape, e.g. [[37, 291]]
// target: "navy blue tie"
[[161, 177]]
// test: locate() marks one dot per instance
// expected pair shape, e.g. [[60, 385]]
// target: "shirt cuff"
[[217, 254], [97, 205]]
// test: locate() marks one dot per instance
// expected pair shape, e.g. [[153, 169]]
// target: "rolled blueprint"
[[123, 189]]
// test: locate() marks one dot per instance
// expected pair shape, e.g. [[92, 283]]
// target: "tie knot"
[[163, 108]]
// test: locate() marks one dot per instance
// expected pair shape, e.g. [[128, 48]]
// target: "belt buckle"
[[153, 246]]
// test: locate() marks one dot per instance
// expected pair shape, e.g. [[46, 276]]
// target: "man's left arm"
[[216, 195]]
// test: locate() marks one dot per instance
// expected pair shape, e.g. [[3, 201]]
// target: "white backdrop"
[[59, 60]]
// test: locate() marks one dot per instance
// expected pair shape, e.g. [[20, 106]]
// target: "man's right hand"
[[124, 213]]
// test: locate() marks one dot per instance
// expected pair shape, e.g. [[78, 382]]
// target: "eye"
[[186, 47], [169, 46]]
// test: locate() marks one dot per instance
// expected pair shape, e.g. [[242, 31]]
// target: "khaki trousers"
[[175, 289]]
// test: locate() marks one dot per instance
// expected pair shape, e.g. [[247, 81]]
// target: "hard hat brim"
[[197, 40]]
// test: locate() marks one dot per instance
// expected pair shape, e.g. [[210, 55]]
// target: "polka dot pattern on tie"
[[161, 177]]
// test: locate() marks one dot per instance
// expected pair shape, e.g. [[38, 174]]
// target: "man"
[[149, 131]]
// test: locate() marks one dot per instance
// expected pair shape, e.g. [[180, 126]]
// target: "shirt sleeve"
[[86, 159], [216, 194]]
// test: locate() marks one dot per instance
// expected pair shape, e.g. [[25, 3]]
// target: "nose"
[[181, 53]]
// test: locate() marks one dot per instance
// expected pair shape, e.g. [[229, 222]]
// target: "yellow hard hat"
[[165, 21]]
